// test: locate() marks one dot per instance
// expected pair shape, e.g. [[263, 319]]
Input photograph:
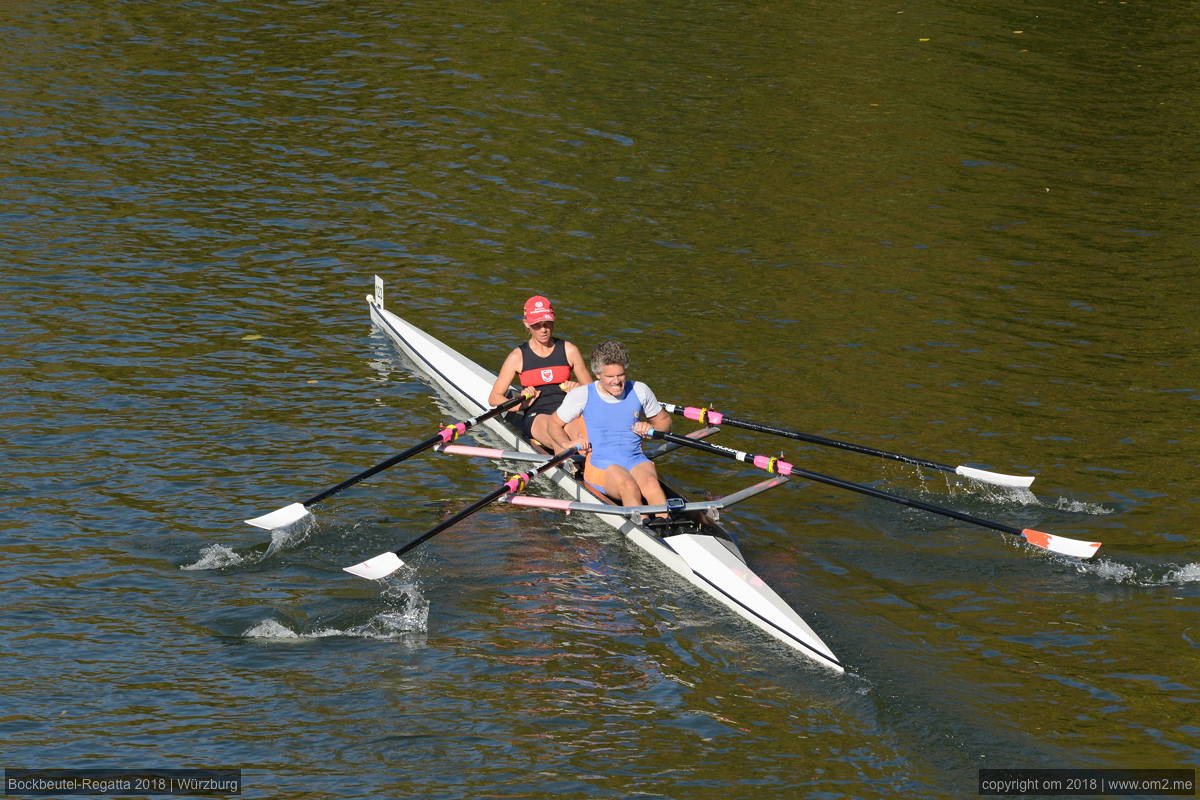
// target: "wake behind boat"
[[690, 543]]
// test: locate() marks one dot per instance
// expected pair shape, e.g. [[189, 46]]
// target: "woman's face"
[[541, 331]]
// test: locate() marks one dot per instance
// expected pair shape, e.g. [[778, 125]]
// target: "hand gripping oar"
[[282, 517], [1047, 541], [385, 564], [707, 416]]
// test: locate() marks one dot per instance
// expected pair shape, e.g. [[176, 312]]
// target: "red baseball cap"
[[538, 309]]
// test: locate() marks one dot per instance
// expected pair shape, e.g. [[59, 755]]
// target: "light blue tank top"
[[610, 429]]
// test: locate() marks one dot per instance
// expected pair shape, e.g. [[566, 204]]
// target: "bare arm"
[[558, 433], [508, 373], [660, 422], [578, 367], [571, 408]]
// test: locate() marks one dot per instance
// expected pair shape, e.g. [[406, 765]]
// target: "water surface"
[[950, 230]]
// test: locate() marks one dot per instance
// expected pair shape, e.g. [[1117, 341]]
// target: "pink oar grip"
[[452, 432], [773, 465], [517, 483], [703, 415]]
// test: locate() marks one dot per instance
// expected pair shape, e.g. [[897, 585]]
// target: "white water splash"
[[1108, 570], [1079, 507], [1005, 495], [289, 537], [409, 615], [1017, 496], [270, 629], [387, 625], [1139, 575], [1188, 573], [215, 556], [956, 485]]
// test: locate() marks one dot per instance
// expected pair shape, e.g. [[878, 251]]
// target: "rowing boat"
[[691, 544]]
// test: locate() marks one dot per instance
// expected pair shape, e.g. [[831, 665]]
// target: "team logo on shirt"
[[544, 376]]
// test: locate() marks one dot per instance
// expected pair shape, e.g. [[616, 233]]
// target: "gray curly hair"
[[607, 353]]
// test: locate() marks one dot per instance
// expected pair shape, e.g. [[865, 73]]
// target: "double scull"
[[693, 545]]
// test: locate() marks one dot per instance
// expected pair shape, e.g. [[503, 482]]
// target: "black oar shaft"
[[895, 498], [380, 467], [446, 434], [514, 485], [460, 516], [785, 468], [821, 440], [706, 416]]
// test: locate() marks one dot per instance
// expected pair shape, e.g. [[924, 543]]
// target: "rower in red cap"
[[546, 364]]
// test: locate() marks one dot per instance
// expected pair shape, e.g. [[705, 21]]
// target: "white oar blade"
[[995, 478], [280, 518], [376, 568], [1061, 544]]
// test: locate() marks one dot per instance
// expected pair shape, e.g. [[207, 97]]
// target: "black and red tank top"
[[545, 374]]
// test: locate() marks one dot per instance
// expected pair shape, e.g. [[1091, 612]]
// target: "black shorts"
[[524, 423]]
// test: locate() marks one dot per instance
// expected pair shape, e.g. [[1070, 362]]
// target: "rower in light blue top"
[[616, 414]]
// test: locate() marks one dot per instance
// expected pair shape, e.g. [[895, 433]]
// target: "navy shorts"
[[524, 423]]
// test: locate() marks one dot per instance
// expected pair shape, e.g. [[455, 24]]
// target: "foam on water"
[[1106, 569], [1003, 495], [286, 538], [1139, 575], [386, 625], [215, 556], [270, 629], [1080, 507], [1014, 496], [218, 556], [408, 613], [1188, 573]]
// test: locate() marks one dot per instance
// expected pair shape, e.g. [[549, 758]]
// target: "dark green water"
[[956, 230]]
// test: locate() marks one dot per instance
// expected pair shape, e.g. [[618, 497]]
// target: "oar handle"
[[447, 434]]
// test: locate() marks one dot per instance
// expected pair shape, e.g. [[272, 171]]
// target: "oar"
[[385, 564], [707, 416], [282, 517], [1057, 544]]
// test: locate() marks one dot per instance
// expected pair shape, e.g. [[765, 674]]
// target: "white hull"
[[707, 558]]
